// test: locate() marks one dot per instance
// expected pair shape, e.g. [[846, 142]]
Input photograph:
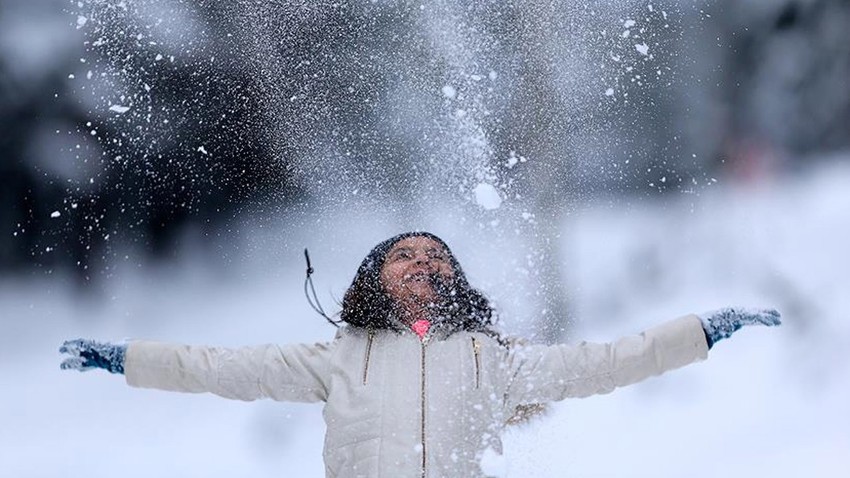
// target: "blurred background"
[[596, 168]]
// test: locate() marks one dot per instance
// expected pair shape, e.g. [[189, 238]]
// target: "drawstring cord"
[[308, 288]]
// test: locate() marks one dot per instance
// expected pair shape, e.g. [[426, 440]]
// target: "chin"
[[429, 297]]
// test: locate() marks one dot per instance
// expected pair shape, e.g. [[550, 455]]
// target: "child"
[[418, 382]]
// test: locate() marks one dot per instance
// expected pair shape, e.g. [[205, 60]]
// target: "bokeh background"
[[597, 168]]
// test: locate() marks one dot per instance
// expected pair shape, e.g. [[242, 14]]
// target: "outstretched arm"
[[549, 373], [297, 372]]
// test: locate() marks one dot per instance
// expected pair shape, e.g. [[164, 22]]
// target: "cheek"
[[389, 278]]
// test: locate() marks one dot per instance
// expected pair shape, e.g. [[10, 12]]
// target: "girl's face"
[[407, 270]]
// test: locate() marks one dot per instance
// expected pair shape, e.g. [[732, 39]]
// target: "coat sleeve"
[[286, 373], [540, 373]]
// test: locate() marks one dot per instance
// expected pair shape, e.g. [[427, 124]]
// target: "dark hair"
[[367, 304]]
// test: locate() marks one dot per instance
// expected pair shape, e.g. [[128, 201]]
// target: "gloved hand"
[[720, 324], [88, 354]]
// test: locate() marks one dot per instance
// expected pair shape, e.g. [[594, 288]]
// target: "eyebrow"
[[410, 249]]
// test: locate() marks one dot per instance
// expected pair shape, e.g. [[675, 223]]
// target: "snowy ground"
[[766, 403]]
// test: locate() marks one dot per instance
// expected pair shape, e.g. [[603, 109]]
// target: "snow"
[[493, 463], [642, 48], [119, 109], [487, 196], [449, 91], [55, 214], [767, 402], [514, 159]]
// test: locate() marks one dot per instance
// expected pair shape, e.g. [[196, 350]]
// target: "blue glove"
[[88, 354], [720, 324]]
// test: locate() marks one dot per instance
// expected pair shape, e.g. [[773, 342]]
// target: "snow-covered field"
[[769, 402]]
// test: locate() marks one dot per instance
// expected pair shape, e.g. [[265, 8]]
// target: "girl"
[[418, 382]]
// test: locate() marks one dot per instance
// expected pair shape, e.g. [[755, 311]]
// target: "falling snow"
[[119, 109], [487, 196]]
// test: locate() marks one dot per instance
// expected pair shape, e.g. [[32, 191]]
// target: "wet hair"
[[367, 304]]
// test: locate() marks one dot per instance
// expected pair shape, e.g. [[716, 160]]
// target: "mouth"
[[418, 277]]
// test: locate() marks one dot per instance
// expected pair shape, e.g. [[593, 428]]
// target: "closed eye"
[[402, 254], [435, 255]]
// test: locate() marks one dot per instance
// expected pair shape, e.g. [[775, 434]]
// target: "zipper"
[[368, 354], [476, 351], [424, 451]]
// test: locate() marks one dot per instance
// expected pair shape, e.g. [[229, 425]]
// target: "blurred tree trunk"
[[539, 131]]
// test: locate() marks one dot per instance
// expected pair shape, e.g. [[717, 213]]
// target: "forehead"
[[417, 242]]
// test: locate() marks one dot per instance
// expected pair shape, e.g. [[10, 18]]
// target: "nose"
[[423, 259]]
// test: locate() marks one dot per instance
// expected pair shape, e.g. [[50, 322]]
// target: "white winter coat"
[[396, 406]]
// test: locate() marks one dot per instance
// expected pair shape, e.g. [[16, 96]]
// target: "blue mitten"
[[88, 354], [720, 324]]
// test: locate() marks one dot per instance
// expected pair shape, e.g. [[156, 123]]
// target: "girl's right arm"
[[297, 372]]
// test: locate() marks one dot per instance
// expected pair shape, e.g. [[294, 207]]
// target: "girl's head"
[[413, 270]]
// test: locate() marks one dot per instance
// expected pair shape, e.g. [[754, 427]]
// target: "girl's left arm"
[[539, 373], [548, 373]]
